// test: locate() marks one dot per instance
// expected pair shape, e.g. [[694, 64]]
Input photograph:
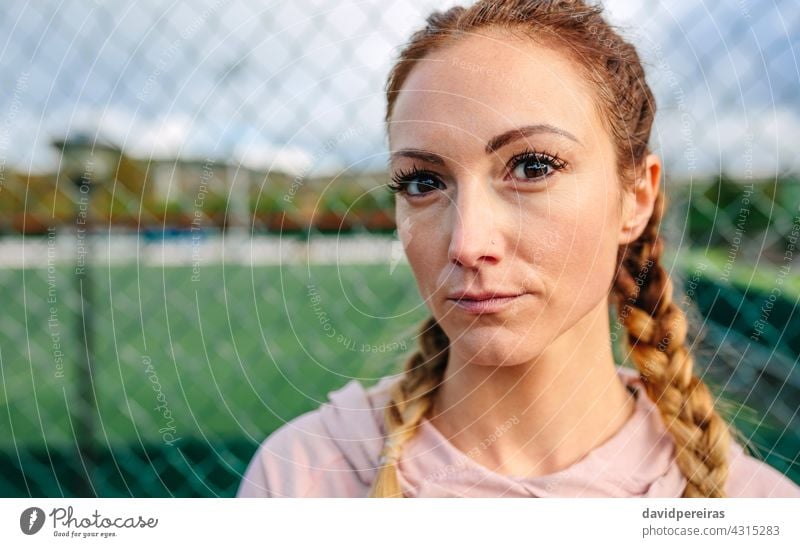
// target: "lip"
[[479, 303]]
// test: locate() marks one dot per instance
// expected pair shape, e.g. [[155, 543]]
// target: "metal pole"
[[86, 403]]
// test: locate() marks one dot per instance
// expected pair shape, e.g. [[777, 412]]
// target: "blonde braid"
[[657, 330], [410, 400]]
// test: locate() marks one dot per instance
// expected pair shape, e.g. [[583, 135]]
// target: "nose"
[[473, 240]]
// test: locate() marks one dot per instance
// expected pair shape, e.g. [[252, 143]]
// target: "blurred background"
[[196, 245]]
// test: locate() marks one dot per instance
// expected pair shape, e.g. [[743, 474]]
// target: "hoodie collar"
[[638, 461]]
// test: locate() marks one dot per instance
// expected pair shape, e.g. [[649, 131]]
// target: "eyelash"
[[402, 179]]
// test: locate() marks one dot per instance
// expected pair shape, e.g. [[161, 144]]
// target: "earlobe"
[[632, 227], [639, 202]]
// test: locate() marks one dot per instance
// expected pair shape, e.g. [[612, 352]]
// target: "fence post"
[[87, 404]]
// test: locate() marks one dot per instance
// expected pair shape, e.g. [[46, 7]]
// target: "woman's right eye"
[[414, 183]]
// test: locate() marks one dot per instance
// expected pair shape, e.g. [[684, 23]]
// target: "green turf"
[[235, 353], [762, 277]]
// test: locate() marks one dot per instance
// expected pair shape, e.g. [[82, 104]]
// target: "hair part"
[[642, 290]]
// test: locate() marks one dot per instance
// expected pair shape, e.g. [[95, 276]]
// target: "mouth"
[[488, 302]]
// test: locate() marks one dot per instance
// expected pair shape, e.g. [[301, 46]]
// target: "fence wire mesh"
[[196, 245]]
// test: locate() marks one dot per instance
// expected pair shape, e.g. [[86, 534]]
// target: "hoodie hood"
[[353, 420], [638, 461]]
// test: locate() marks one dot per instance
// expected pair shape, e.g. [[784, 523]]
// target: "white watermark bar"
[[352, 522]]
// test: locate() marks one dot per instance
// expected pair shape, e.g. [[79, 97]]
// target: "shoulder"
[[331, 451], [287, 462], [749, 477]]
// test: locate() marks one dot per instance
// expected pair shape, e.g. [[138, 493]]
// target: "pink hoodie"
[[333, 452]]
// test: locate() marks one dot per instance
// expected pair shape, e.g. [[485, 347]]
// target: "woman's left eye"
[[531, 169], [531, 166]]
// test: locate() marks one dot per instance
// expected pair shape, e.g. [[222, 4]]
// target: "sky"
[[298, 85]]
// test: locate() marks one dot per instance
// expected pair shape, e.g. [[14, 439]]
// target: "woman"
[[526, 200]]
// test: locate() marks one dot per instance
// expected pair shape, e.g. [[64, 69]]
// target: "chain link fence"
[[196, 247]]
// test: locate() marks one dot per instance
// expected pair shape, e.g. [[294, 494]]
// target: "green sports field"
[[234, 353]]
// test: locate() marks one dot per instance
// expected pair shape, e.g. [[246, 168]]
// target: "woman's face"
[[487, 208]]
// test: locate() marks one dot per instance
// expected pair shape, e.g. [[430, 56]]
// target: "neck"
[[538, 416]]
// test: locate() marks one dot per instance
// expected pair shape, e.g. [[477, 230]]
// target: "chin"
[[490, 346]]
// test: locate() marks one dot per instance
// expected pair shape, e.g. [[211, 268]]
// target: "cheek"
[[422, 246], [580, 245]]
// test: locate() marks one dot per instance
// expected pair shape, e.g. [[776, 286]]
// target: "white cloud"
[[263, 156]]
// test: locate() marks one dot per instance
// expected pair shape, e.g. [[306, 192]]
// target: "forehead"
[[484, 84]]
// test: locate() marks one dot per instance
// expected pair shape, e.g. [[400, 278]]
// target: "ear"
[[639, 201]]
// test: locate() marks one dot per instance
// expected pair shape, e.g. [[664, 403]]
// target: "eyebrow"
[[492, 146]]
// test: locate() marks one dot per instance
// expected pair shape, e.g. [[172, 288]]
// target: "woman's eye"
[[532, 168], [535, 166], [414, 184]]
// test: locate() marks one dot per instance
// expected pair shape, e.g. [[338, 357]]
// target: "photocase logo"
[[31, 520]]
